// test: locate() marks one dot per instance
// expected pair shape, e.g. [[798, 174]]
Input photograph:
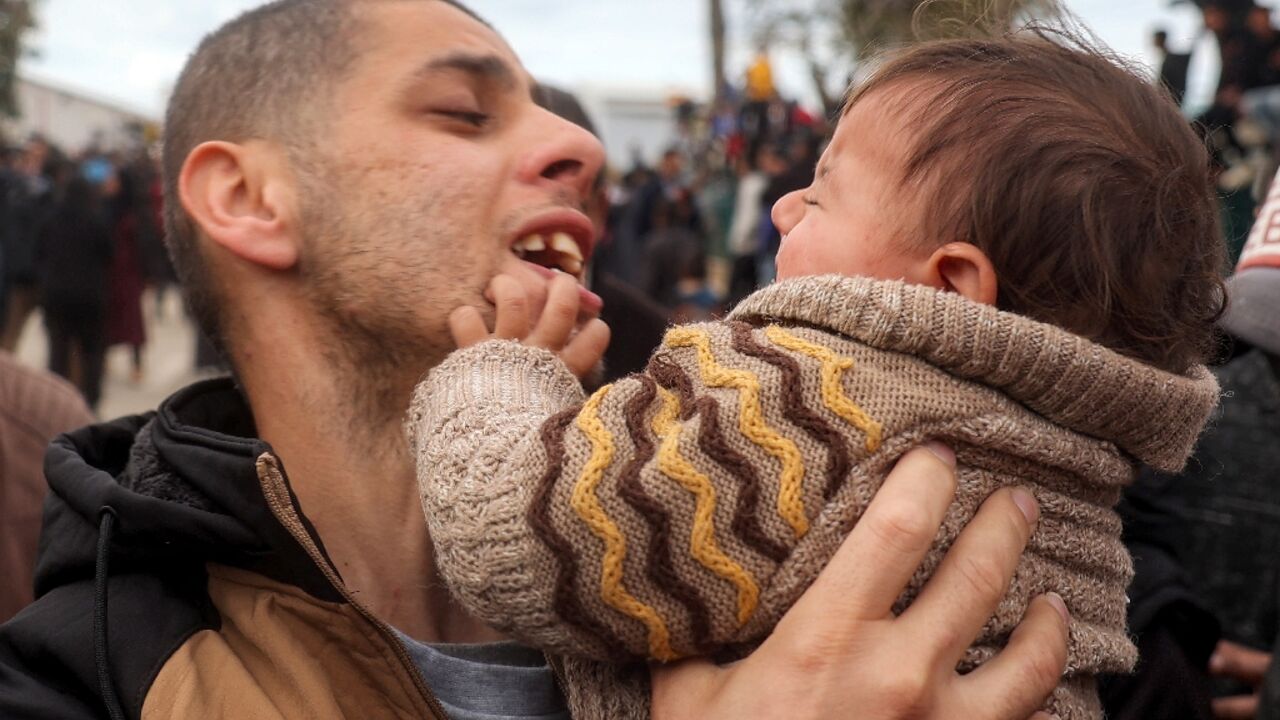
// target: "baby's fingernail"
[[944, 453], [1216, 662], [1060, 605], [1026, 502]]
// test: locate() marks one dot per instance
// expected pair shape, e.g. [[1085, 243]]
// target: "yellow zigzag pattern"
[[702, 543], [587, 505], [833, 369], [751, 424]]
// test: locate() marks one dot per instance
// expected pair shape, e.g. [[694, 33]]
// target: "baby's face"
[[848, 222]]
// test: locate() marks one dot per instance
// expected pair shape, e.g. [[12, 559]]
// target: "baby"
[[1011, 246]]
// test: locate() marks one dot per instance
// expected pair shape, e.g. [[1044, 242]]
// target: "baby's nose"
[[788, 211]]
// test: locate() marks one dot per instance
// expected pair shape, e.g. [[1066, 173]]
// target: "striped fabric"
[[681, 511]]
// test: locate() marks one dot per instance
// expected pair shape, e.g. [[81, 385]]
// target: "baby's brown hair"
[[1078, 178]]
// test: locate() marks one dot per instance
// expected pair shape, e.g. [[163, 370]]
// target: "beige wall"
[[71, 120]]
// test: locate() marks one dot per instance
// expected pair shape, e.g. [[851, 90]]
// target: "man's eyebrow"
[[487, 68]]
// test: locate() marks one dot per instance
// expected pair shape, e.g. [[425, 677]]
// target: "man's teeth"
[[559, 251], [533, 243], [564, 244]]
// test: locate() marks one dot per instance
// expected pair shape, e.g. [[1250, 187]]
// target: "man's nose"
[[568, 157], [788, 211]]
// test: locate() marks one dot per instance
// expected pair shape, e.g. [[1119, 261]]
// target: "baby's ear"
[[963, 268]]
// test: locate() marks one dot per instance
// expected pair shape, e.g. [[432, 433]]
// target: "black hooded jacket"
[[173, 554]]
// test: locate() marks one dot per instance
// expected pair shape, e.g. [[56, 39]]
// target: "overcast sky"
[[131, 50]]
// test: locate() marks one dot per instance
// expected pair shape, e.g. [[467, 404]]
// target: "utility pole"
[[718, 48]]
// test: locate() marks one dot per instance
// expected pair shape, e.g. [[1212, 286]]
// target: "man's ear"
[[963, 268], [241, 196]]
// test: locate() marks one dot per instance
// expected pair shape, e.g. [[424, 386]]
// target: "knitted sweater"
[[683, 510]]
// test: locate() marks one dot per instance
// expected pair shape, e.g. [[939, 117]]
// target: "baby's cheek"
[[786, 260]]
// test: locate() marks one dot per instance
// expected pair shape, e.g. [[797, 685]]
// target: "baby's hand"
[[554, 330]]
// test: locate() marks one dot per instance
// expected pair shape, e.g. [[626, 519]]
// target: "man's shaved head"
[[265, 75]]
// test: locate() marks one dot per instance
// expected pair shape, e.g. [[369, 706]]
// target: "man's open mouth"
[[556, 251]]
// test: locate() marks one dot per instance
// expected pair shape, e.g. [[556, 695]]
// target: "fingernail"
[[1060, 605], [1216, 662], [944, 453], [1026, 502]]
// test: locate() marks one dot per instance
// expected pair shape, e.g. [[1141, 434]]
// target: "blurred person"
[[340, 176], [670, 247], [128, 215], [29, 206], [1263, 44], [934, 283], [1243, 41], [758, 94], [653, 190], [1173, 66], [695, 299], [748, 210], [1261, 103], [34, 408], [74, 259], [787, 174], [157, 267], [9, 181]]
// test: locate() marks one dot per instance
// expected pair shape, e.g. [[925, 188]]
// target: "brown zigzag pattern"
[[792, 394], [746, 521], [658, 561], [567, 604]]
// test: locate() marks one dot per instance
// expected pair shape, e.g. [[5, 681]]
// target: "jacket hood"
[[183, 485], [1152, 415]]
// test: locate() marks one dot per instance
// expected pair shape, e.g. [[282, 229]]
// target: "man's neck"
[[356, 484]]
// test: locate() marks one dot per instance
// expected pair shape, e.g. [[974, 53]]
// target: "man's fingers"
[[467, 327], [1017, 681], [1238, 662], [678, 686], [559, 316], [1240, 707], [968, 586], [874, 564], [587, 347], [512, 321]]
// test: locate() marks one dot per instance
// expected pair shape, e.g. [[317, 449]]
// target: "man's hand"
[[579, 341], [841, 653], [1246, 665]]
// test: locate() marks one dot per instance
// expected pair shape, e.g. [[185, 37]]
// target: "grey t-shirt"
[[493, 681]]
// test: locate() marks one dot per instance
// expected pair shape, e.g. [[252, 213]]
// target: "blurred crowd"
[[1242, 119], [80, 238], [693, 233]]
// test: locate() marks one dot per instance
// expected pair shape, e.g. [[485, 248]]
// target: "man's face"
[[436, 171], [1259, 21], [672, 166], [1215, 18], [34, 156]]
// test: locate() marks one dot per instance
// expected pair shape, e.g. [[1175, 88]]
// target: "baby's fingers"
[[512, 306], [586, 348], [467, 327], [559, 317]]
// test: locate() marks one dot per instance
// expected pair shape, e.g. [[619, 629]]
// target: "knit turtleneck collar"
[[1153, 415]]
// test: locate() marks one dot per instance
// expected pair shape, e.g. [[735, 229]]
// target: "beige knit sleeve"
[[474, 430]]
